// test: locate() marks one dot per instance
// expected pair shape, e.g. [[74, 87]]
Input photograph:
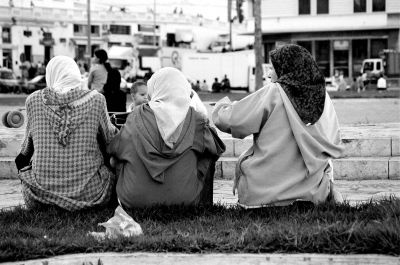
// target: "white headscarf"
[[63, 75], [169, 93]]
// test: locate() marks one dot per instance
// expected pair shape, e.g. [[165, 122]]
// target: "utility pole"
[[230, 23], [258, 43], [154, 26], [89, 31]]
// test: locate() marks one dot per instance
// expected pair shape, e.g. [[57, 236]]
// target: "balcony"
[[317, 23]]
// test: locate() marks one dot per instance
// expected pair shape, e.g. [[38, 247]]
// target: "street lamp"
[[89, 29], [154, 26]]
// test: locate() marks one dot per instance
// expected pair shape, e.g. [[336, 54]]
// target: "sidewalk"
[[353, 191], [206, 259]]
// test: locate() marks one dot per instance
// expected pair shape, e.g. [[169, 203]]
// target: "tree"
[[258, 43]]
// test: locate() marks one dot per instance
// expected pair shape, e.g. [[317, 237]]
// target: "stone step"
[[350, 168], [354, 168], [10, 145], [363, 141], [357, 147]]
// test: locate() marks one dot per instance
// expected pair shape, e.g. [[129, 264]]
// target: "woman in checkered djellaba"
[[61, 162]]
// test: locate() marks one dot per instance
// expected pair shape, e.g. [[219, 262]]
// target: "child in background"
[[138, 94]]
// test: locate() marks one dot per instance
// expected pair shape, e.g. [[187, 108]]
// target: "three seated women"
[[167, 149]]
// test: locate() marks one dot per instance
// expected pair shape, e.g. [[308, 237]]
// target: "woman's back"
[[286, 159], [154, 173], [97, 77], [73, 161], [65, 131]]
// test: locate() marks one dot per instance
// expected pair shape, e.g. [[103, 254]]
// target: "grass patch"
[[300, 228]]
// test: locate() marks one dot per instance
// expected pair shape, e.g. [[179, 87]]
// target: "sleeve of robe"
[[118, 147], [245, 117], [27, 148]]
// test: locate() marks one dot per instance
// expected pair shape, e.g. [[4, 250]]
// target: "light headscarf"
[[63, 75], [169, 93]]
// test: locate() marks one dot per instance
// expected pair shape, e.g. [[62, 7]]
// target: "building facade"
[[340, 34], [35, 33]]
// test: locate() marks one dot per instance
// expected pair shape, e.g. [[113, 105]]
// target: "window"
[[306, 44], [304, 7], [95, 30], [378, 5], [322, 56], [360, 52], [149, 40], [7, 58], [269, 46], [6, 75], [147, 28], [377, 45], [322, 6], [80, 30], [120, 29], [6, 35], [27, 33], [360, 6], [368, 66]]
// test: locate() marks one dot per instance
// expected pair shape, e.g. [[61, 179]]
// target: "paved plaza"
[[354, 192]]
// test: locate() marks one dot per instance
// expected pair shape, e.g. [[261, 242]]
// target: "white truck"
[[388, 65], [239, 42], [237, 66]]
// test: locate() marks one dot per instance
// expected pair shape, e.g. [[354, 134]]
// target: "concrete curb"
[[348, 168], [206, 259]]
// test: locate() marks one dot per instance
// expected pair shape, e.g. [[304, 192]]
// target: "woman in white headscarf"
[[61, 160], [166, 149]]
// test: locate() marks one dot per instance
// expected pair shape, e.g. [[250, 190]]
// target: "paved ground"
[[349, 111], [353, 191], [206, 259]]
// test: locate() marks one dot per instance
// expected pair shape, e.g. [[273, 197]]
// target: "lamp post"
[[154, 26], [230, 24], [89, 29]]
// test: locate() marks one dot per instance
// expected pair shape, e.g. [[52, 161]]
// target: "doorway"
[[47, 54], [28, 52]]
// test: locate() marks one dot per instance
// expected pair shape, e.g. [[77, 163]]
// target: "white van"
[[373, 68]]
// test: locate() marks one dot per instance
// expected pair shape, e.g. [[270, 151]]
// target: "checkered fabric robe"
[[65, 131]]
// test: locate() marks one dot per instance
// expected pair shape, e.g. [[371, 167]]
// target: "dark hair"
[[113, 82], [136, 85], [103, 57]]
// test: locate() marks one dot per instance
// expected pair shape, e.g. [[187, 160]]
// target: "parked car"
[[8, 81], [36, 83]]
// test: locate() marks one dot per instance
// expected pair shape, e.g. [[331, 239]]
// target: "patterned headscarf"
[[301, 79]]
